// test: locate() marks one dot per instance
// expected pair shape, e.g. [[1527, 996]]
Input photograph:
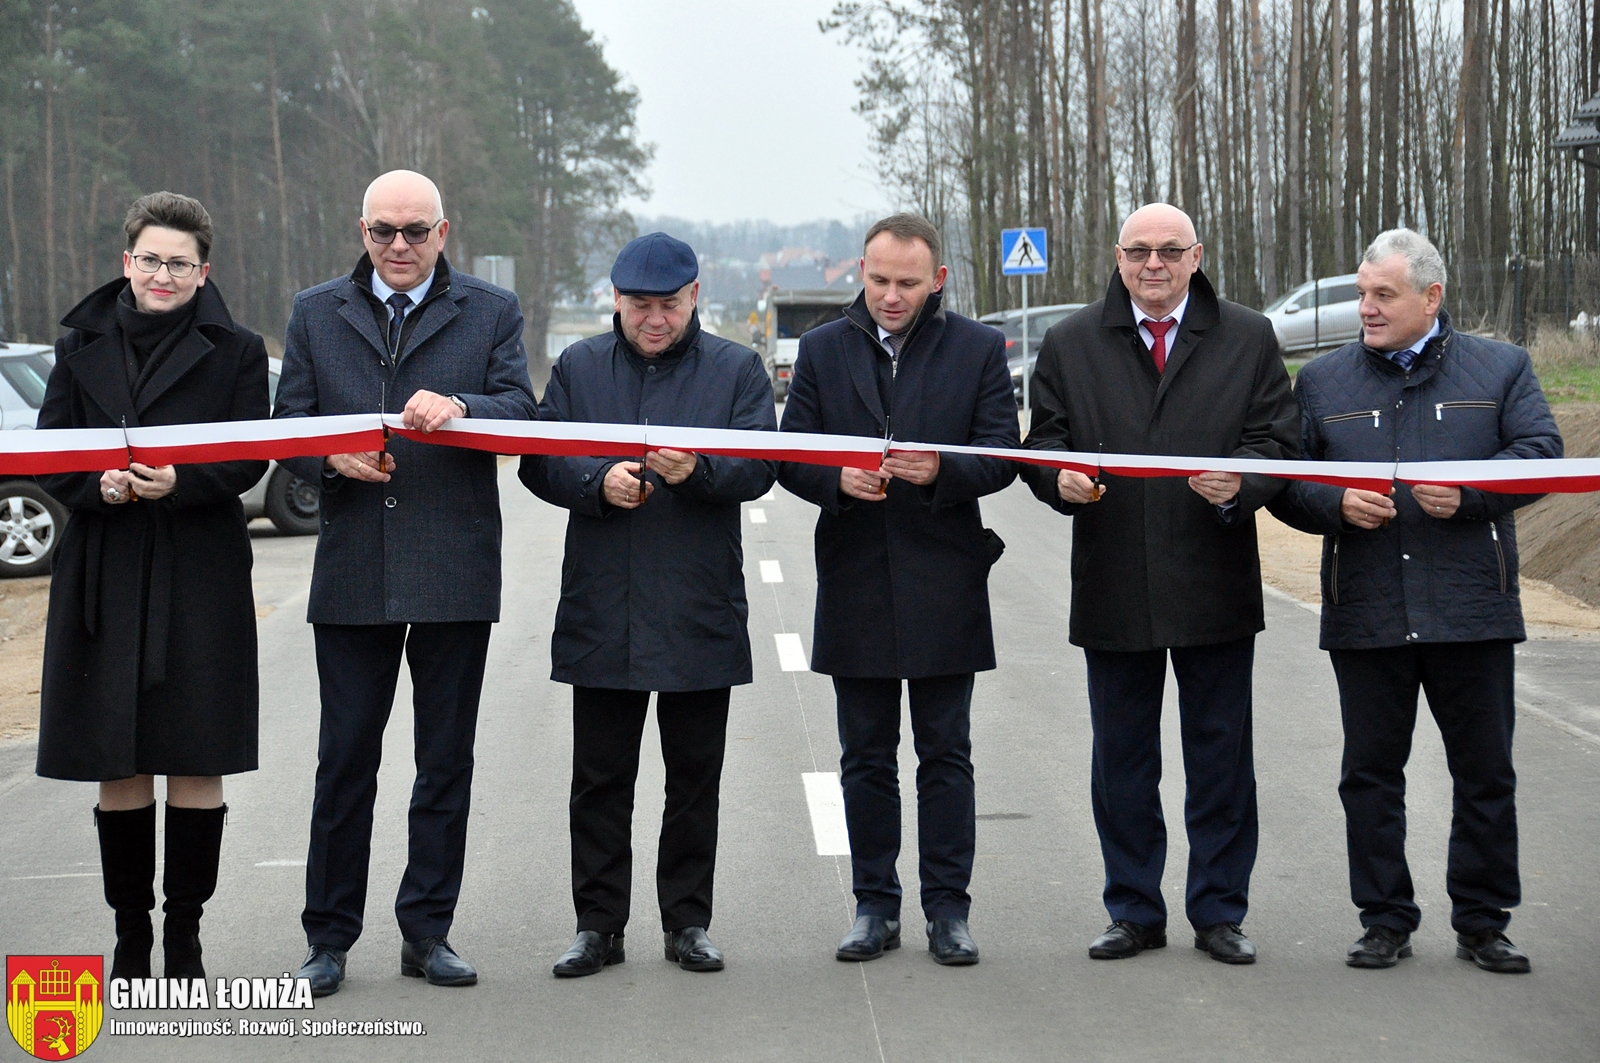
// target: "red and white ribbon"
[[26, 453]]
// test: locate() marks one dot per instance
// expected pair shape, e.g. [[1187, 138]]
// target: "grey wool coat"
[[1419, 579], [653, 598], [424, 547], [150, 645]]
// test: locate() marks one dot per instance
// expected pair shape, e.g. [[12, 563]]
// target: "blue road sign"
[[1022, 251]]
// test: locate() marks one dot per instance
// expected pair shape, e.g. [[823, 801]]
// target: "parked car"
[[289, 502], [1009, 322], [1317, 315], [31, 521]]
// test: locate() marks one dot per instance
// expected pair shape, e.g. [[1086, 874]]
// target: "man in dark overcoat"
[[1163, 567], [652, 595], [903, 567], [408, 562], [1419, 591]]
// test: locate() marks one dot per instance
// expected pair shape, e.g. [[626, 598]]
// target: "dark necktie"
[[401, 303], [1158, 349], [894, 341], [1404, 359]]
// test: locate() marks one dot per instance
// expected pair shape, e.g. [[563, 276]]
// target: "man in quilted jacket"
[[1419, 591]]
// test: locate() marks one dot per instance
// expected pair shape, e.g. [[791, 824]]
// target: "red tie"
[[1158, 349]]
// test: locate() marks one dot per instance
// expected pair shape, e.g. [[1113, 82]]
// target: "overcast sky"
[[748, 105]]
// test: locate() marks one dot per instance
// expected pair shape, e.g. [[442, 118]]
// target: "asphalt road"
[[781, 907]]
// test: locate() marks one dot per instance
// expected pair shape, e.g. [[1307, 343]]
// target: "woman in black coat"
[[150, 646]]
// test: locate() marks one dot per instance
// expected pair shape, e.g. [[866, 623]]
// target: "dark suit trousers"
[[607, 727], [1219, 807], [1469, 688], [869, 737], [358, 666]]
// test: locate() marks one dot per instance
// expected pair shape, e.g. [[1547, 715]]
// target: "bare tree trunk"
[[286, 285], [1500, 179], [1095, 139], [14, 324], [1188, 131], [52, 309], [1391, 119], [1371, 209], [1338, 135], [1265, 195], [1227, 219], [1353, 160], [1294, 128], [1590, 77]]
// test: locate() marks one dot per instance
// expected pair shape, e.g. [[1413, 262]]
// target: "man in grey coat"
[[1419, 591], [408, 562], [652, 595]]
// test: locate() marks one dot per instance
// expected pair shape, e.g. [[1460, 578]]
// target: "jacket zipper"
[[1476, 404], [1374, 414], [1499, 554], [1333, 578]]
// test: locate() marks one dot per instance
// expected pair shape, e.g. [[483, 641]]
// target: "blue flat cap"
[[655, 264]]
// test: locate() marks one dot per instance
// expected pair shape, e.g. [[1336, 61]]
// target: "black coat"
[[150, 646], [1419, 579], [653, 598], [424, 547], [903, 584], [1153, 564]]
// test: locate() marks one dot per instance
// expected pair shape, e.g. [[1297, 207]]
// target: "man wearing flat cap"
[[652, 595]]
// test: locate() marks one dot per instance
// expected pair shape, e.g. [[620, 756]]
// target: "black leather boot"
[[128, 869], [194, 842]]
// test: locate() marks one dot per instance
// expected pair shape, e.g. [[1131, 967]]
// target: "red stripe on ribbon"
[[257, 449]]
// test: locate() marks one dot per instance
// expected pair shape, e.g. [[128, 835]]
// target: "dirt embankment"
[[1558, 541], [23, 605]]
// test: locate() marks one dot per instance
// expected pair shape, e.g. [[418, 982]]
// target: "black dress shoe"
[[1225, 942], [871, 937], [1493, 951], [433, 958], [951, 943], [1380, 946], [324, 969], [1123, 939], [690, 949], [589, 953]]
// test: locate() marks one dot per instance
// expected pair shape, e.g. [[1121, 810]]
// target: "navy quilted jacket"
[[1419, 579]]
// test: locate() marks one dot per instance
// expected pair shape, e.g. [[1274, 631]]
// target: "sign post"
[[1023, 254]]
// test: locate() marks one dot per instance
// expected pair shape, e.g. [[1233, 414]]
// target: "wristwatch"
[[459, 401]]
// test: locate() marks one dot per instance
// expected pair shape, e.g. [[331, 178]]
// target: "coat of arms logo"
[[55, 1004]]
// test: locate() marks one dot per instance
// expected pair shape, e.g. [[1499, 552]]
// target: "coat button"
[[1405, 557], [587, 477], [652, 369], [390, 502]]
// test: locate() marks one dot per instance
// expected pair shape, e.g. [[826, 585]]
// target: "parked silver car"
[[1321, 314], [282, 497], [1009, 322], [30, 520]]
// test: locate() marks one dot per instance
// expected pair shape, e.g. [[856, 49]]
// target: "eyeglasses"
[[177, 268], [414, 234], [1168, 254]]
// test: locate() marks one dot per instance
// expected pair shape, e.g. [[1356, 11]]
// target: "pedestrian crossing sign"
[[1022, 251]]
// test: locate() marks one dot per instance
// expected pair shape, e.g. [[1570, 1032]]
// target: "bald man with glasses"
[[1166, 567], [408, 562]]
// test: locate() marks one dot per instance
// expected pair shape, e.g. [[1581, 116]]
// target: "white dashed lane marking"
[[791, 654], [826, 801], [771, 572], [757, 516]]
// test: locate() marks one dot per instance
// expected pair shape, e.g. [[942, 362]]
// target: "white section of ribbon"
[[265, 431], [57, 440]]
